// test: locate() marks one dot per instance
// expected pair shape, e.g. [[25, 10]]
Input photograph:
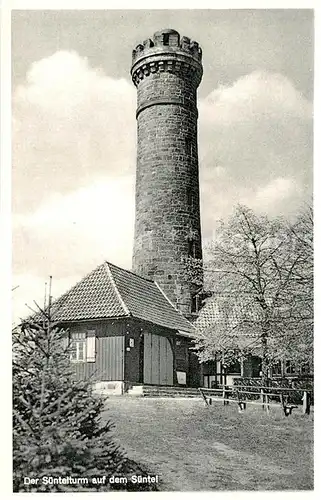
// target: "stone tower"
[[167, 70]]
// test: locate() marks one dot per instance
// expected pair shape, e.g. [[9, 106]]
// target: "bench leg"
[[306, 403], [288, 410], [242, 406]]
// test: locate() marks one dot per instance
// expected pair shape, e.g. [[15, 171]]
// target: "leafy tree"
[[260, 272], [300, 294], [57, 425]]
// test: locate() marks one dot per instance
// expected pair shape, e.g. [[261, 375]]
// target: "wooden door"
[[158, 360], [194, 370]]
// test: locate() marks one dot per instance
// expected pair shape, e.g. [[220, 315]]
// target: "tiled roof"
[[232, 313], [112, 292], [234, 321], [92, 297]]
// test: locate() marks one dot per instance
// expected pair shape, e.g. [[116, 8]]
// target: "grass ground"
[[195, 448]]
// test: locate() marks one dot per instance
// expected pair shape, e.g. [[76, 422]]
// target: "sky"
[[74, 130]]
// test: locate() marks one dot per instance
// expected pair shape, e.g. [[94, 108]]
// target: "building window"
[[210, 382], [277, 369], [289, 367], [78, 347], [234, 368], [305, 369]]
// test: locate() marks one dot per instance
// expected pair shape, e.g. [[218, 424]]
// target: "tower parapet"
[[167, 71], [167, 51]]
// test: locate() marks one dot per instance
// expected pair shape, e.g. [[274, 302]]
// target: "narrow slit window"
[[189, 197], [191, 248], [166, 39], [195, 304], [188, 146]]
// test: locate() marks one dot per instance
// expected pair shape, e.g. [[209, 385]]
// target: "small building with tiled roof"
[[124, 331], [236, 324], [231, 326]]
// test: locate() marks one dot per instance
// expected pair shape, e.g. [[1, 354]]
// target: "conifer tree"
[[57, 425]]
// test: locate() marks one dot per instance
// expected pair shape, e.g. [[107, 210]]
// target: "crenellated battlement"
[[168, 40], [167, 52]]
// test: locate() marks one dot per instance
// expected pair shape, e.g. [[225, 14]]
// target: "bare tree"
[[258, 270], [300, 291]]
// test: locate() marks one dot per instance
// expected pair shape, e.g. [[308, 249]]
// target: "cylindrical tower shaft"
[[167, 71]]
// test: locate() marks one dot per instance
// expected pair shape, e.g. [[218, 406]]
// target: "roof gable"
[[93, 297], [112, 292], [146, 301]]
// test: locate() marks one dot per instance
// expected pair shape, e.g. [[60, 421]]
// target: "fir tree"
[[57, 426]]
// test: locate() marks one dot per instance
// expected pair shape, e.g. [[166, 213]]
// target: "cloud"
[[74, 231], [70, 235], [255, 146], [275, 196], [70, 123], [252, 96], [279, 188], [74, 160], [73, 164]]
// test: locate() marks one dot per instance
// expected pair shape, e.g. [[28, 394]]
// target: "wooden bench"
[[210, 397], [221, 394], [207, 399], [287, 407], [241, 402]]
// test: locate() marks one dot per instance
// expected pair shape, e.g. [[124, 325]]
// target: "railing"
[[264, 397]]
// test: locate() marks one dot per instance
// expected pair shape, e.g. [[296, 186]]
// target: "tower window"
[[195, 304], [188, 145], [166, 39], [190, 198], [191, 248]]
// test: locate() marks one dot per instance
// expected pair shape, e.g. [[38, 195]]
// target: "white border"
[[165, 4]]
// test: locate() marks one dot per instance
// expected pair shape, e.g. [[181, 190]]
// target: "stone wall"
[[167, 223]]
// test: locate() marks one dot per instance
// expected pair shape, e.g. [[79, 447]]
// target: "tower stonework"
[[167, 71]]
